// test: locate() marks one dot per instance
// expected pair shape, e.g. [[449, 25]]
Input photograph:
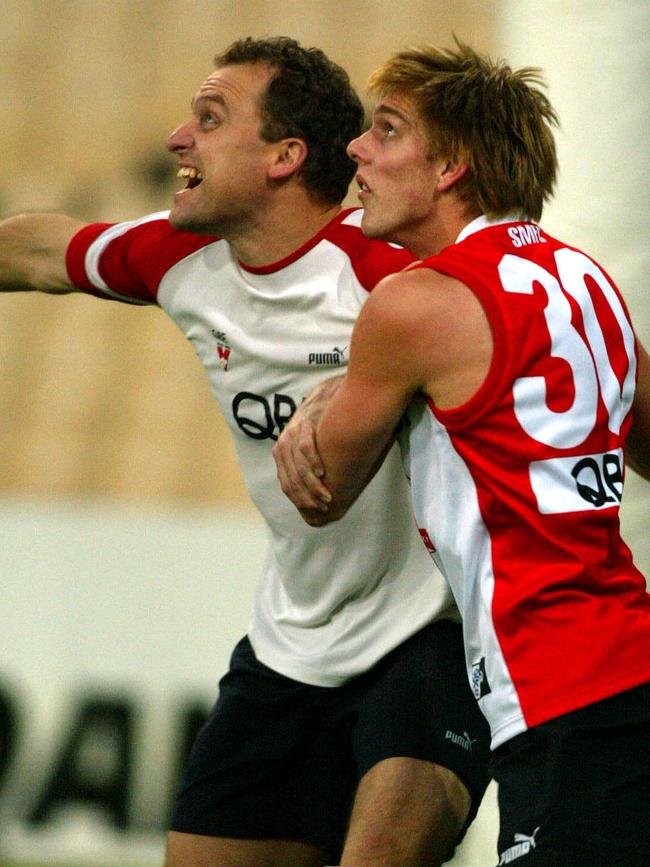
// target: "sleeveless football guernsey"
[[517, 491]]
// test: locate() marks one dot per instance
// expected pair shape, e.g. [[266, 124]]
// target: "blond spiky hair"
[[495, 118]]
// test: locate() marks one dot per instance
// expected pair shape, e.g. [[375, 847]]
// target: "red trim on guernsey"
[[369, 267], [76, 253], [136, 268], [134, 262]]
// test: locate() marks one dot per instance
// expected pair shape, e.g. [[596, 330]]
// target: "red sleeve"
[[76, 252], [372, 260], [379, 259], [128, 260]]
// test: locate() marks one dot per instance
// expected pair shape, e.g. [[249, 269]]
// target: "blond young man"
[[524, 390]]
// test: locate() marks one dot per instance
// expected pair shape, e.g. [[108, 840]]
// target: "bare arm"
[[32, 252], [637, 454], [418, 332], [300, 468], [386, 369]]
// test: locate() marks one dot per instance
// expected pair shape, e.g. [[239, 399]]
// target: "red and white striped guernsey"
[[518, 490]]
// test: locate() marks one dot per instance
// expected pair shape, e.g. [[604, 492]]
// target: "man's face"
[[221, 147], [396, 175]]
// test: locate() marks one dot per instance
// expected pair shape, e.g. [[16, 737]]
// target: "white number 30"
[[589, 360]]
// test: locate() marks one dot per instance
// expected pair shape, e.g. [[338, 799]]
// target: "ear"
[[450, 173], [289, 156]]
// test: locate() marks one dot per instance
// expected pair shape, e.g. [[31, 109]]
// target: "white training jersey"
[[331, 601]]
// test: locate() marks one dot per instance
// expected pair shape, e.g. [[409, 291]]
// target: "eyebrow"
[[198, 101], [384, 110]]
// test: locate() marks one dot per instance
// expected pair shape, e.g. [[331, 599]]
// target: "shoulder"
[[371, 260], [155, 233], [131, 256], [415, 290], [401, 305], [420, 308]]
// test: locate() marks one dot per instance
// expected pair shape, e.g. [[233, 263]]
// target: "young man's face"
[[221, 142], [396, 175]]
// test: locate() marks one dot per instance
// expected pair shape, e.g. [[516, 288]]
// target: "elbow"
[[316, 518]]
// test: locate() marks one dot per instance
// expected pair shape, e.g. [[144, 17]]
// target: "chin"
[[185, 223], [368, 226], [373, 230], [177, 220]]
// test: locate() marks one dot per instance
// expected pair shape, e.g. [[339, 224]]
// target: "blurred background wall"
[[129, 547], [97, 400]]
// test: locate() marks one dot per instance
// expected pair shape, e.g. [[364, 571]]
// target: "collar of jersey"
[[297, 254], [484, 222]]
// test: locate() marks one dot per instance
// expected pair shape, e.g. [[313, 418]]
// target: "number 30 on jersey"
[[591, 369]]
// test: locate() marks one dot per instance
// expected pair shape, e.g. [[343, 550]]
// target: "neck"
[[280, 230], [440, 230]]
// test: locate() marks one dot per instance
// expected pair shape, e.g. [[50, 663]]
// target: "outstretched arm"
[[32, 252], [637, 453]]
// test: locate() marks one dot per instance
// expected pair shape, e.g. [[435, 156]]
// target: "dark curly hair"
[[311, 98]]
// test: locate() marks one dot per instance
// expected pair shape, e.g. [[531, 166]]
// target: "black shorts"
[[279, 759], [575, 791]]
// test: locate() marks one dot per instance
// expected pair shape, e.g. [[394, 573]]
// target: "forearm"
[[358, 423], [352, 446], [349, 468], [32, 252], [299, 466], [314, 405]]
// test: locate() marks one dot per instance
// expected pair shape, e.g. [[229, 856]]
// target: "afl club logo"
[[223, 348]]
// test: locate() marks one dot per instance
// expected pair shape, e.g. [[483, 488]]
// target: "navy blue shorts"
[[575, 791], [279, 759]]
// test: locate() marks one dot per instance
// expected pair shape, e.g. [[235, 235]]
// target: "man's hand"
[[32, 252], [300, 469]]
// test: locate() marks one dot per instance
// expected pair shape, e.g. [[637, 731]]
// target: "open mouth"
[[193, 177], [363, 186]]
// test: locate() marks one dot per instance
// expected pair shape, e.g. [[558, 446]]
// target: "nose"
[[181, 138], [357, 148]]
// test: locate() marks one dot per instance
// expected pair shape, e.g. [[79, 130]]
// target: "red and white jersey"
[[518, 490], [331, 601]]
